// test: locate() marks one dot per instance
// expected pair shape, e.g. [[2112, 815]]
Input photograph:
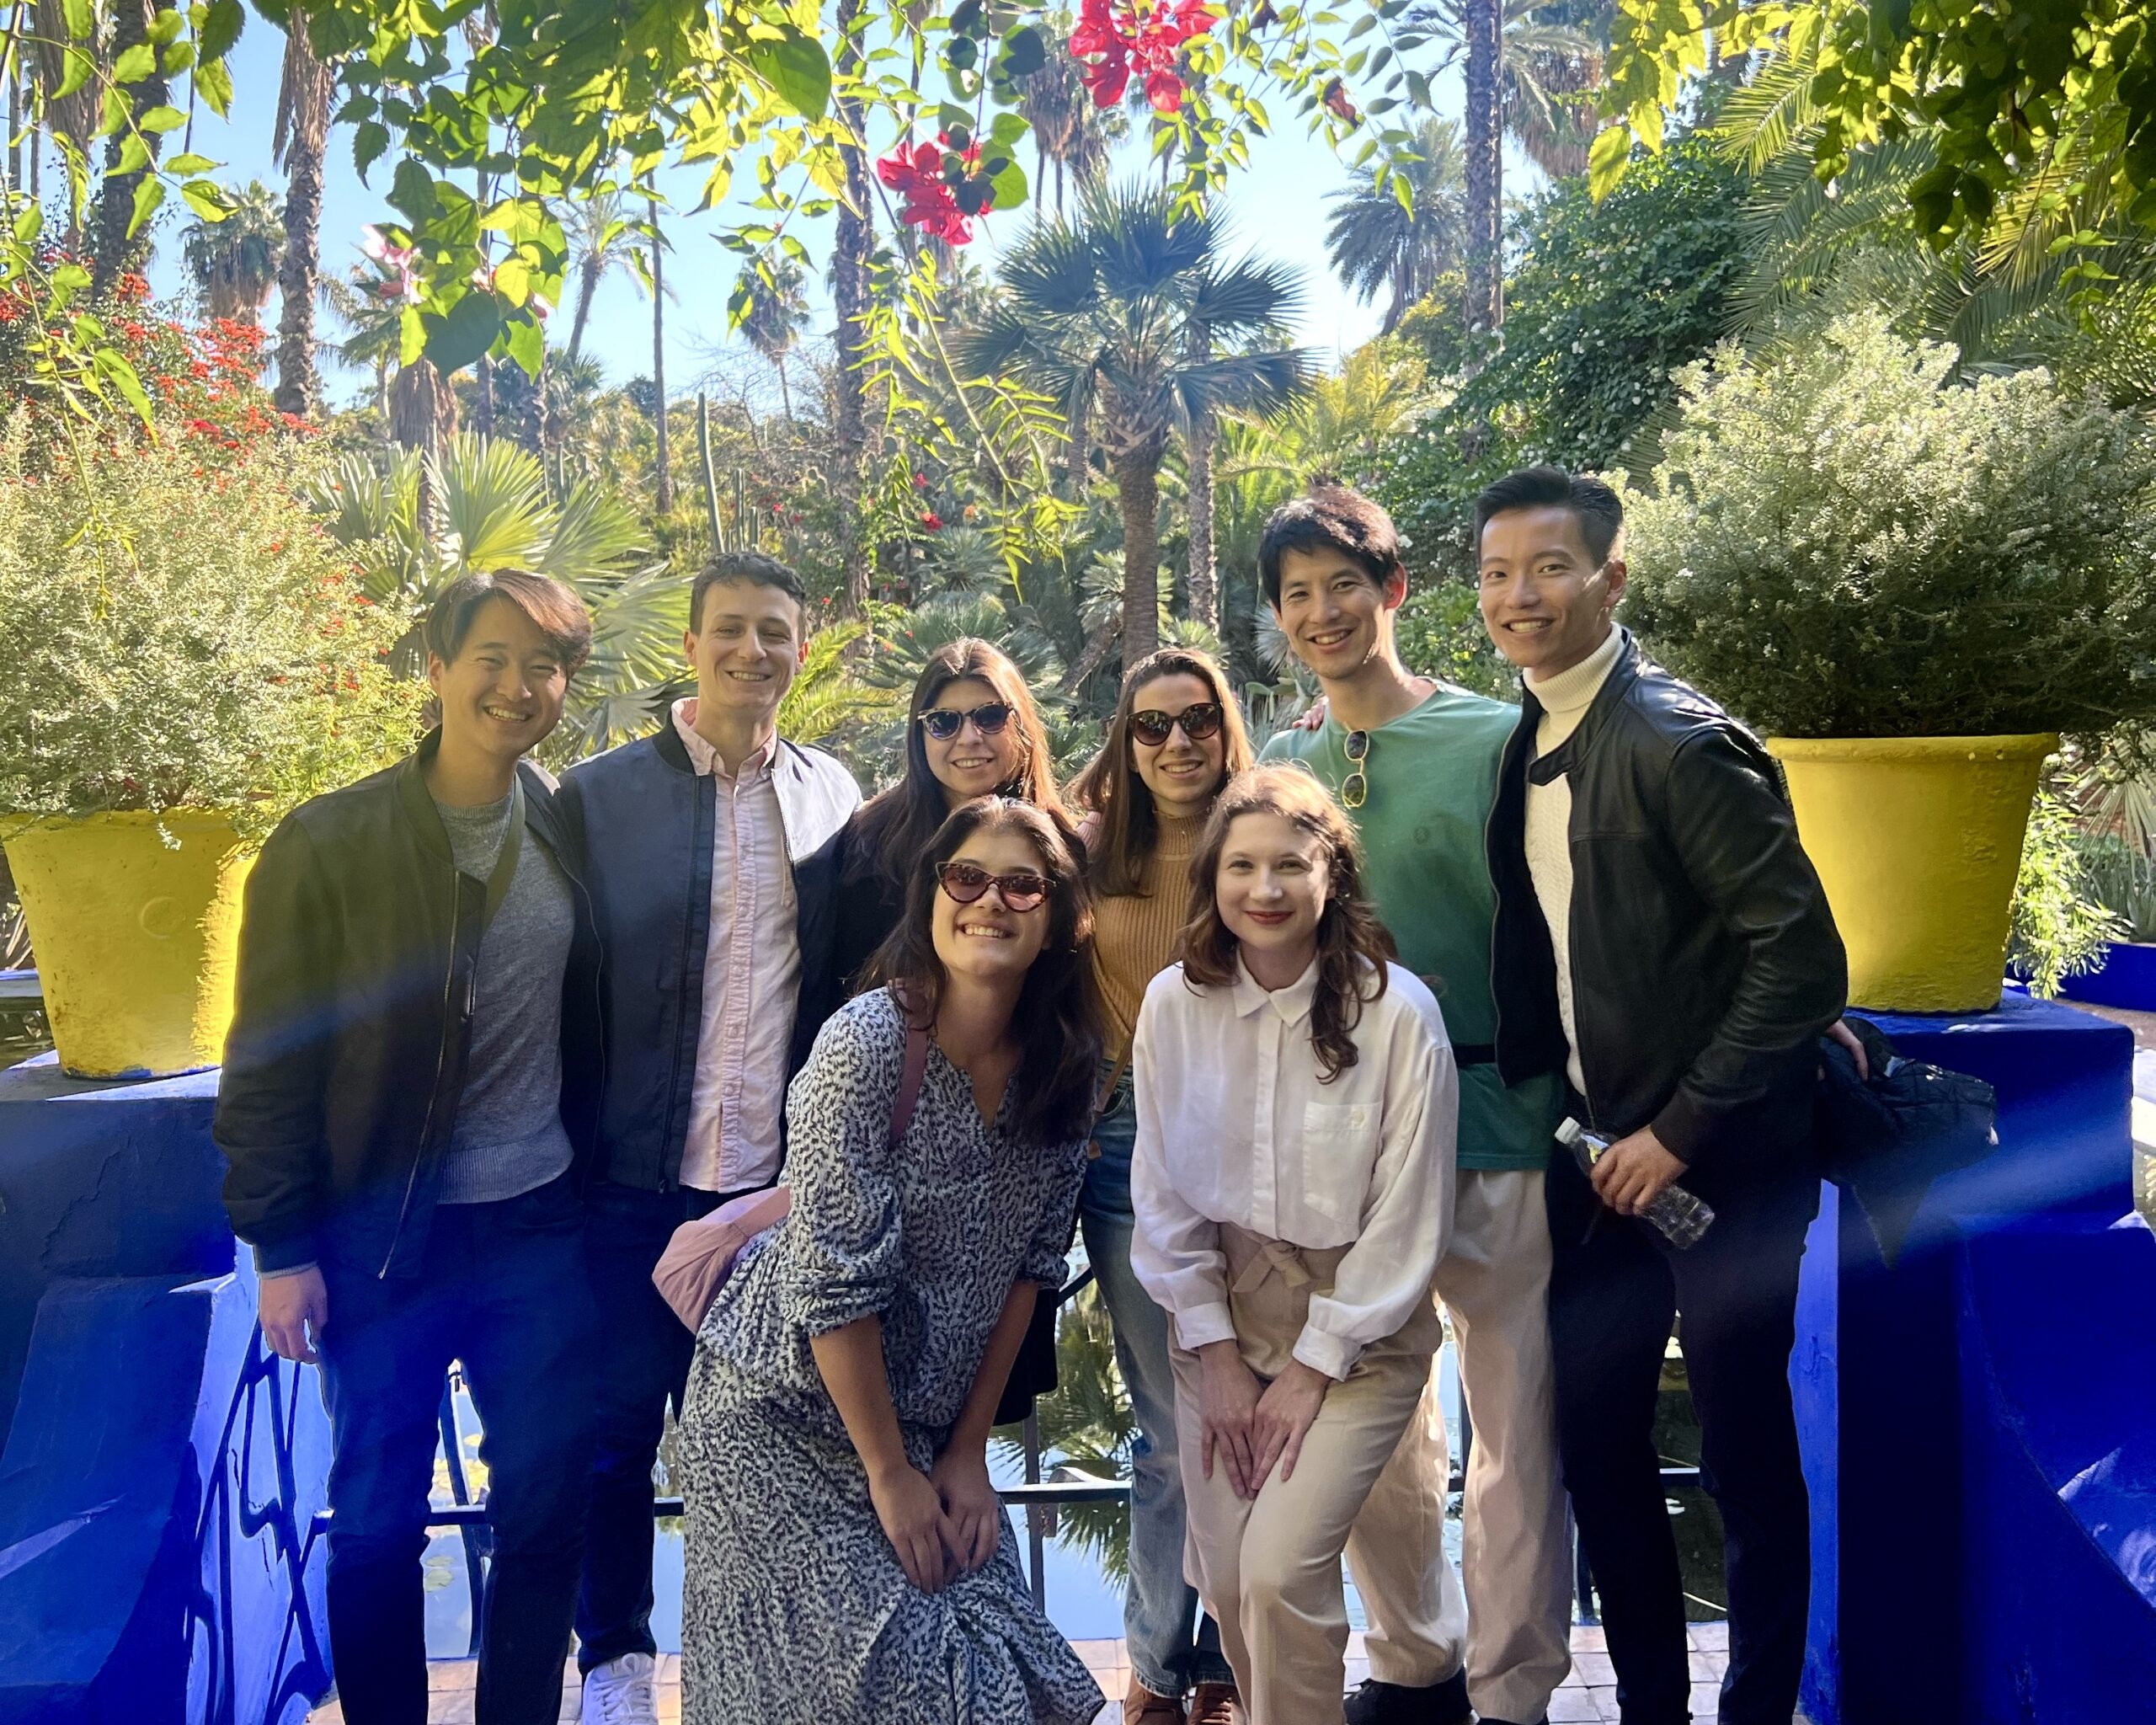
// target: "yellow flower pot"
[[135, 941], [1917, 841]]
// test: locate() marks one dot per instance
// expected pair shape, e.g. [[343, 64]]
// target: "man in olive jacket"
[[391, 1106], [1662, 941]]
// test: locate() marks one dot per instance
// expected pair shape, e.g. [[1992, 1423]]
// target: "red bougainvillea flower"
[[932, 520], [921, 482], [133, 290], [922, 174], [1143, 37]]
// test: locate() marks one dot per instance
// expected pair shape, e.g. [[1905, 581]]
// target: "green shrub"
[[179, 637], [1439, 632], [1839, 543], [1607, 300], [2060, 926]]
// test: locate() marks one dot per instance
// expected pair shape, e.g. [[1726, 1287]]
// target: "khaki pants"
[[1269, 1569], [1516, 1559]]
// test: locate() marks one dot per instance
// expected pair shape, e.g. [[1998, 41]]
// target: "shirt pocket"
[[1339, 1150]]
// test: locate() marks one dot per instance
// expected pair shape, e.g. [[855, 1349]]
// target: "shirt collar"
[[1292, 1003], [703, 757]]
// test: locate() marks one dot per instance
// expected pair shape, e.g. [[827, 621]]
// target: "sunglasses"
[[1356, 786], [1152, 728], [945, 723], [965, 882]]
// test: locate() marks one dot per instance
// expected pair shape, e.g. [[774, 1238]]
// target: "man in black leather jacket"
[[392, 1109], [1663, 941]]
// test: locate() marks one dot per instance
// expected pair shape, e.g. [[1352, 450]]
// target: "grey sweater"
[[508, 1137]]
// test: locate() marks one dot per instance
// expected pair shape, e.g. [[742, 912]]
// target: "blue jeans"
[[1160, 1608], [501, 1288], [645, 1360]]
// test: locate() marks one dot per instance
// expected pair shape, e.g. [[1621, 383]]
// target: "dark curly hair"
[[1057, 1021], [1352, 946]]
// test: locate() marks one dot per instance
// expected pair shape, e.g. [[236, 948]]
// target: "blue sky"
[[1276, 209]]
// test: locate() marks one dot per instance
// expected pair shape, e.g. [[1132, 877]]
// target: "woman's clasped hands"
[[1250, 1426], [943, 1523]]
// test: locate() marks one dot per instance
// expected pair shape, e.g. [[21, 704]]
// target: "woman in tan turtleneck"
[[1176, 739]]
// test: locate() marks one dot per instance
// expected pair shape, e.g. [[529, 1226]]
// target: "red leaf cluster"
[[1142, 38], [927, 176]]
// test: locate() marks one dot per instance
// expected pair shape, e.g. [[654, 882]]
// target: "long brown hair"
[[1057, 1021], [1352, 946], [1110, 786], [895, 826]]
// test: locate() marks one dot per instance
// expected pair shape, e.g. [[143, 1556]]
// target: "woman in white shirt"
[[1292, 1186]]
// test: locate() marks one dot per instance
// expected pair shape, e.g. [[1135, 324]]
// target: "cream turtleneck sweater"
[[1565, 699]]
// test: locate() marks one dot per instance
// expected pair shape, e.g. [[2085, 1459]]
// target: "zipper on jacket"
[[434, 1093]]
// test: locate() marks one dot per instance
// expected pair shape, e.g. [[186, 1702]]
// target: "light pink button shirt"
[[752, 978]]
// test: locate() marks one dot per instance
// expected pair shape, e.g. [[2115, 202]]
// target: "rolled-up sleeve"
[[1407, 1217], [844, 1248], [1175, 1252]]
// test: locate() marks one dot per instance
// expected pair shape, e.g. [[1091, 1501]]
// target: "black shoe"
[[1376, 1703]]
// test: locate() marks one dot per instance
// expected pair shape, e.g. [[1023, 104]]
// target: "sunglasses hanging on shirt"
[[1355, 788]]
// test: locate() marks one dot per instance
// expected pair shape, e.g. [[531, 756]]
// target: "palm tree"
[[234, 261], [302, 138], [1526, 64], [778, 311], [1069, 131], [853, 244], [1101, 317], [664, 475], [602, 238], [1375, 243], [117, 250]]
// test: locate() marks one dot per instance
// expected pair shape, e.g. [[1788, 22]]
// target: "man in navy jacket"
[[688, 840]]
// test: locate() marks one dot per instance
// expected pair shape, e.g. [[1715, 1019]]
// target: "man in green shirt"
[[1415, 763]]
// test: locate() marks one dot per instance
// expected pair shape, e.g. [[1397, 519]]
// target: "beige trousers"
[[1516, 1558], [1269, 1569]]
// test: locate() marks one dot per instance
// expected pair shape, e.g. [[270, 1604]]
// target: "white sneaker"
[[623, 1692]]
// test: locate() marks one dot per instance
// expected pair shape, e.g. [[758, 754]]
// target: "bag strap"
[[505, 870], [910, 1077]]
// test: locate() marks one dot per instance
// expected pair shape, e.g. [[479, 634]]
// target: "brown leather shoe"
[[1215, 1704], [1141, 1706]]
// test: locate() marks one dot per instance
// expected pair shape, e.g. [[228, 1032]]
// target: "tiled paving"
[[1589, 1695]]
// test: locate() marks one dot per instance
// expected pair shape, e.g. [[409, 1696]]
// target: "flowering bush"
[[203, 380], [1844, 542], [177, 638]]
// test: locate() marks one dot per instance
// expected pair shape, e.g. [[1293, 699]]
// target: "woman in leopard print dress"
[[847, 1558]]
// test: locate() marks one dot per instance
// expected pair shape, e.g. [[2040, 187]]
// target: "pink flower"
[[927, 175], [932, 520]]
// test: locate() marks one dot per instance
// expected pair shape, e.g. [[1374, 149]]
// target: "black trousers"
[[644, 1359], [501, 1288], [1614, 1287]]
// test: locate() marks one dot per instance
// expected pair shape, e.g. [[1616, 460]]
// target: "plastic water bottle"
[[1679, 1216]]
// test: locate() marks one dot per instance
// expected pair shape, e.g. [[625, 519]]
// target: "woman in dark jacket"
[[972, 730]]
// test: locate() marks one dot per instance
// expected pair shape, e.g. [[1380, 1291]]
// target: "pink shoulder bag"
[[702, 1253]]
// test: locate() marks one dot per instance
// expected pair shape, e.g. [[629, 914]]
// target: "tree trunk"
[[1137, 490], [15, 117], [853, 244], [423, 416], [587, 289], [309, 85], [1485, 305], [1204, 433], [659, 363], [118, 251]]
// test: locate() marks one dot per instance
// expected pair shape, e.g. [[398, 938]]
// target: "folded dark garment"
[[1886, 1138]]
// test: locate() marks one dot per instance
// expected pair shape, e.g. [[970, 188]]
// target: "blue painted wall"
[[161, 1472], [1916, 1537]]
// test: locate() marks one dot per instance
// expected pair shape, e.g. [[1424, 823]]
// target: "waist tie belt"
[[1274, 1255]]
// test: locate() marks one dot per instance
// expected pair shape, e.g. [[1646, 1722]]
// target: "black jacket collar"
[[1607, 698]]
